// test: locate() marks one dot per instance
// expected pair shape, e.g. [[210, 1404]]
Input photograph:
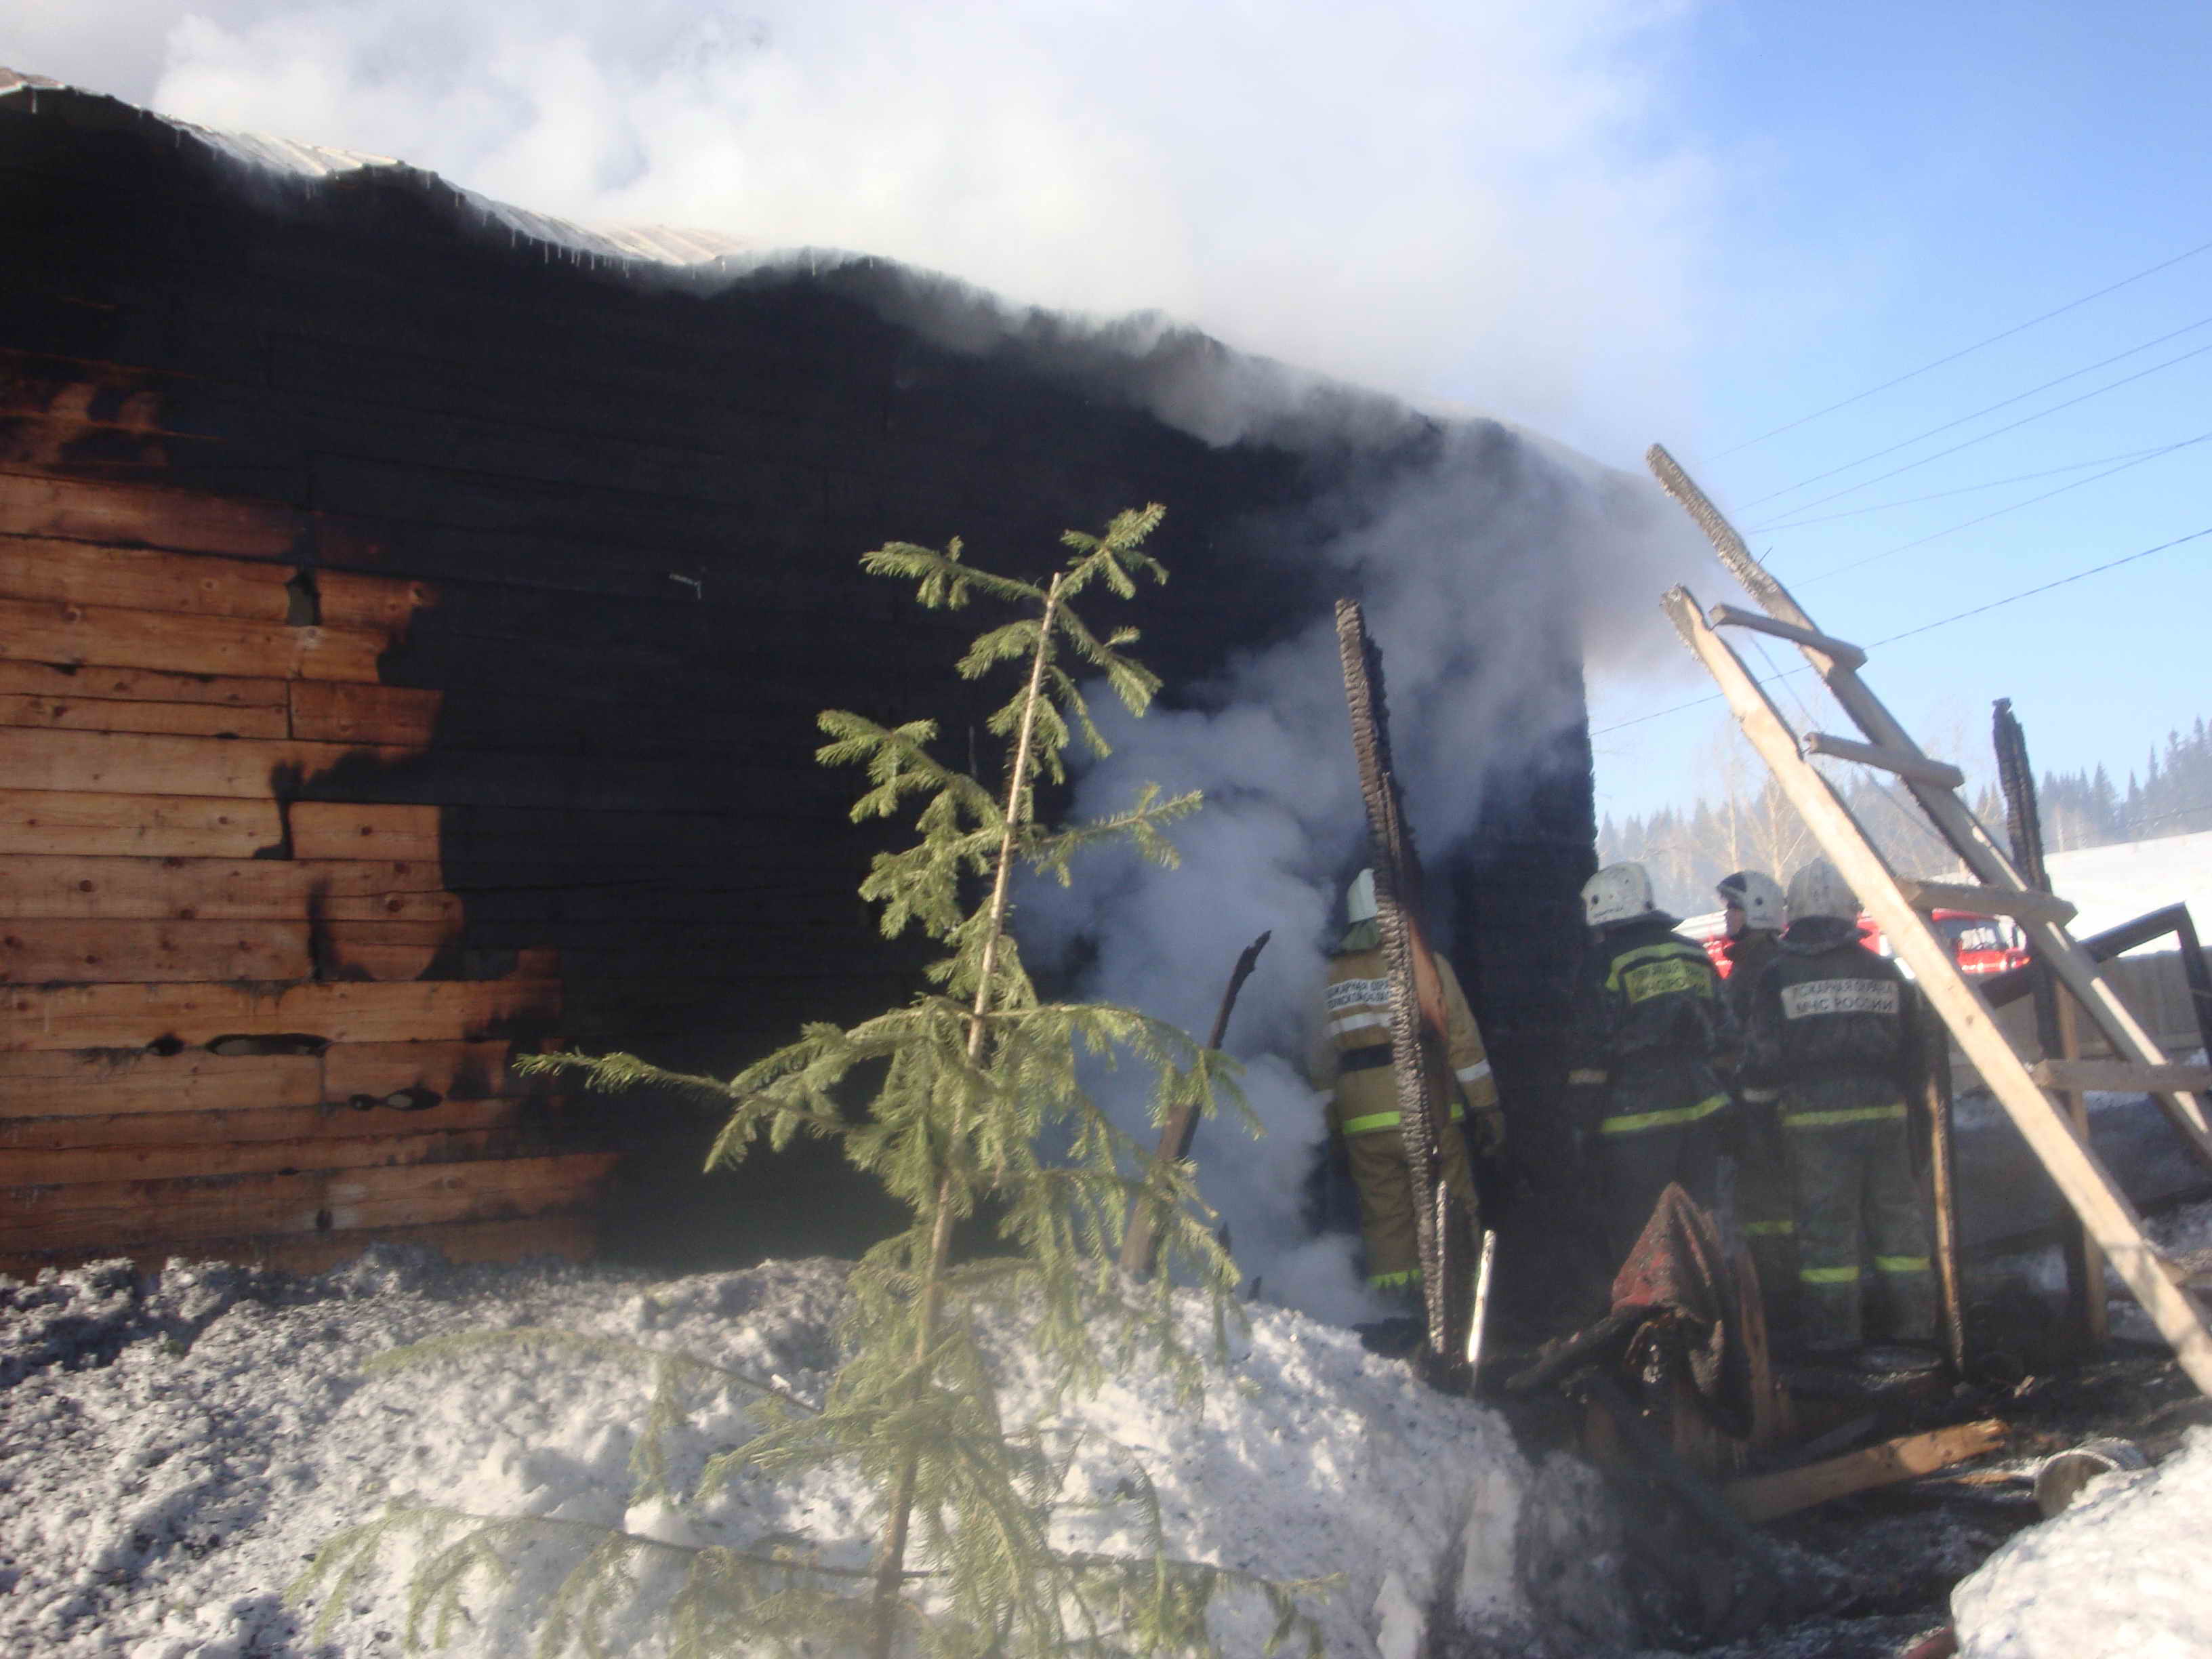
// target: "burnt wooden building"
[[410, 630]]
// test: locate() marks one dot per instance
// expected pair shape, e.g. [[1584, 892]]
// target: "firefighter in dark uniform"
[[1354, 1062], [1643, 1095], [1839, 1030], [1754, 915]]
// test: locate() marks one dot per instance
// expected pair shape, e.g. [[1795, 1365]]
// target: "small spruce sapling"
[[967, 1080]]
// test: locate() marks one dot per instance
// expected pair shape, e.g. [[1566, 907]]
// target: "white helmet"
[[1619, 892], [1359, 899], [1758, 896], [1817, 890]]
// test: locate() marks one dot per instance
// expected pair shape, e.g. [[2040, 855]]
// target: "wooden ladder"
[[1900, 903]]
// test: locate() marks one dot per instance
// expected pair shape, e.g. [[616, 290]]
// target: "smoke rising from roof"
[[1457, 203], [1484, 574]]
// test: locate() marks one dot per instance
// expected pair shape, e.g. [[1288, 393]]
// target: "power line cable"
[[2004, 334], [1925, 628], [1995, 432], [1779, 525], [1990, 408], [1999, 513]]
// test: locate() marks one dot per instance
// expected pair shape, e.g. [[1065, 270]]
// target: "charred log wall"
[[596, 532]]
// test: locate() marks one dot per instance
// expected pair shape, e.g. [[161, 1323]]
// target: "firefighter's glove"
[[1486, 1128]]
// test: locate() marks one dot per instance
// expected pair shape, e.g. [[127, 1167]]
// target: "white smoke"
[[1484, 575], [1462, 201]]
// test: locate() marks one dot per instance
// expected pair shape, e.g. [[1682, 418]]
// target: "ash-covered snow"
[[173, 1449], [2121, 1573]]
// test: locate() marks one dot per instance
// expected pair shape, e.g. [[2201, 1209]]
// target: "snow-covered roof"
[[287, 158]]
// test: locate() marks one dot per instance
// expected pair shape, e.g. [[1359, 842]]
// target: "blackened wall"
[[635, 502]]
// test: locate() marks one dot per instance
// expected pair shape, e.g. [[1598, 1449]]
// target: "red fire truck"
[[1981, 944]]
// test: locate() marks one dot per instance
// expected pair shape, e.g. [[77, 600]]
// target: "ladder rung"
[[1918, 767], [2024, 904], [2122, 1077], [1842, 652]]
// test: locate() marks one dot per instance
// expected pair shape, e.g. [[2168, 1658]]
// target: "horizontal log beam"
[[106, 823], [142, 515], [59, 1166], [225, 1125], [143, 579], [77, 635], [216, 889], [127, 1214], [74, 952], [196, 719], [134, 1016], [573, 1236], [133, 764], [323, 711], [109, 683], [342, 830], [107, 1082]]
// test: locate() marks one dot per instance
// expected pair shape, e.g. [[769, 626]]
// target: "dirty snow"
[[172, 1451], [2121, 1573]]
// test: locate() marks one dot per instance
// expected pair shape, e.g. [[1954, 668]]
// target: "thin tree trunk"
[[890, 1557]]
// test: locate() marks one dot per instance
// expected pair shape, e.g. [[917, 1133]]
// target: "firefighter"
[[1643, 1095], [1837, 1029], [1753, 908], [1363, 1097]]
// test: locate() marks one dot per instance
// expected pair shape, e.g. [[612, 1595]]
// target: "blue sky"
[[1900, 183]]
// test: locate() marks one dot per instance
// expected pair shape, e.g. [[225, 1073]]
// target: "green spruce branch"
[[962, 1086]]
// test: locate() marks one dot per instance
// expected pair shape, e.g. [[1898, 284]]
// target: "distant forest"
[[1749, 825]]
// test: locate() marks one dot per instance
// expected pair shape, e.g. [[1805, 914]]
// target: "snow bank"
[[2120, 1573], [172, 1452], [2109, 885]]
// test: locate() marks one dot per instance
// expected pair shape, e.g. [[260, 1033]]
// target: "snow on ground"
[[2120, 1573], [172, 1450], [2109, 885]]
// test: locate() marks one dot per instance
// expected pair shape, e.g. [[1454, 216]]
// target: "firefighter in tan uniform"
[[1362, 1104]]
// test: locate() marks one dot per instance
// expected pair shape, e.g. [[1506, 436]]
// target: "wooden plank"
[[129, 763], [2104, 1208], [573, 1236], [34, 631], [143, 579], [144, 515], [133, 1016], [58, 1166], [54, 952], [107, 683], [214, 890], [327, 712], [1991, 863], [382, 950], [347, 598], [224, 1125], [1940, 774], [113, 1082], [2024, 904], [1842, 652], [1764, 1496], [458, 1071], [342, 830], [126, 1214], [198, 719], [2120, 1076], [46, 821]]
